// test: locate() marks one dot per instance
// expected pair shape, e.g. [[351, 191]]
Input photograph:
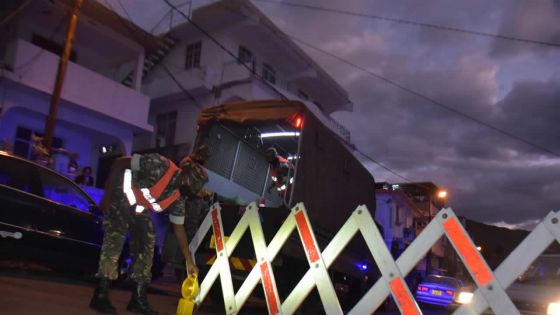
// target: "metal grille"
[[223, 147], [250, 169]]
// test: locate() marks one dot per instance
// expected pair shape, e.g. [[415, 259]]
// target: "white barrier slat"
[[516, 263], [200, 233], [331, 252], [490, 292], [406, 262], [481, 273], [391, 274], [222, 261], [267, 275], [272, 251], [316, 263]]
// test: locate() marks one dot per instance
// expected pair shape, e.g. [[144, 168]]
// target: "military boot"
[[139, 302], [100, 300]]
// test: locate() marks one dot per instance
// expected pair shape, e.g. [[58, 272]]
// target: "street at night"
[[280, 157]]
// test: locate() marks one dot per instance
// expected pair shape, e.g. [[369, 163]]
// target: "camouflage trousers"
[[120, 220]]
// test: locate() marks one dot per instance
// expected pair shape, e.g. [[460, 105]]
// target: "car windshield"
[[544, 271], [451, 282]]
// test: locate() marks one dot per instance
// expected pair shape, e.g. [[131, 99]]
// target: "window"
[[193, 55], [165, 129], [63, 191], [16, 174], [24, 142], [245, 56], [269, 74]]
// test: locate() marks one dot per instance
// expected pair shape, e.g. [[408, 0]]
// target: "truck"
[[326, 176]]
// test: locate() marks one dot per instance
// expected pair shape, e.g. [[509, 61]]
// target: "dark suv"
[[46, 218]]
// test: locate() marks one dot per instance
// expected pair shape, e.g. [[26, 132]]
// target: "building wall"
[[81, 131]]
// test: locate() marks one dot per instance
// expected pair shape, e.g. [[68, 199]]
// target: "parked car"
[[46, 218], [443, 291], [537, 290]]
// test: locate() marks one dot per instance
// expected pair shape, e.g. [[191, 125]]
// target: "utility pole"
[[62, 65]]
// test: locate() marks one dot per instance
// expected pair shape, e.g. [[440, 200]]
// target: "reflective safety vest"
[[280, 186], [146, 198]]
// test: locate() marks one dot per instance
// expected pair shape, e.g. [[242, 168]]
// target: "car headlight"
[[553, 309], [464, 297]]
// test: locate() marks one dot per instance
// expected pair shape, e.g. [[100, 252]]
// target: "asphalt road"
[[43, 292]]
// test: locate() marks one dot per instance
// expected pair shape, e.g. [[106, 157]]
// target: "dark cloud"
[[533, 20], [511, 85]]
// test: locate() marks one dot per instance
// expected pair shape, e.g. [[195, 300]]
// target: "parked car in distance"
[[443, 291], [46, 218], [537, 290]]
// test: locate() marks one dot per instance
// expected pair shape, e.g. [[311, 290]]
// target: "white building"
[[404, 210], [97, 113], [266, 64]]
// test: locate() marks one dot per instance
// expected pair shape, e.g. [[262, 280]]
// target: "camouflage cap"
[[202, 152]]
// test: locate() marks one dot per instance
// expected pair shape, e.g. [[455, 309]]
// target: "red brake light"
[[296, 120], [449, 292]]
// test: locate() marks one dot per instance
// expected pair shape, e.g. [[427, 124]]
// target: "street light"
[[442, 194]]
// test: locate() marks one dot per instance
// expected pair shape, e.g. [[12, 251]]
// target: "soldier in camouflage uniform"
[[120, 217], [197, 201]]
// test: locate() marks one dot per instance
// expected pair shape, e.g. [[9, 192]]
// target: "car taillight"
[[422, 288], [449, 292]]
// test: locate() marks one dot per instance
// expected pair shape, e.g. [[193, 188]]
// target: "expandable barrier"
[[491, 285]]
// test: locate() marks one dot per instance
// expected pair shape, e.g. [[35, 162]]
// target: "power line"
[[415, 23], [14, 13], [283, 97], [215, 41], [350, 144], [427, 98]]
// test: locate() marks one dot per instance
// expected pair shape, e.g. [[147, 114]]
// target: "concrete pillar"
[[137, 79]]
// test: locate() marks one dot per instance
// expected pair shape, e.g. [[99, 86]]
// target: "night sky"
[[456, 89]]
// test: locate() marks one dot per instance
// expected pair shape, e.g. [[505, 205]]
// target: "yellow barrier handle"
[[189, 291]]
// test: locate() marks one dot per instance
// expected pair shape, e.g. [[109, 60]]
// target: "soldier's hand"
[[192, 269]]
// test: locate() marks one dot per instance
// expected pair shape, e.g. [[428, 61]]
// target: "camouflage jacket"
[[147, 169]]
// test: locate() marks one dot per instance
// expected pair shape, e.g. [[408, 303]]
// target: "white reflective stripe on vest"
[[151, 200], [129, 193], [127, 187]]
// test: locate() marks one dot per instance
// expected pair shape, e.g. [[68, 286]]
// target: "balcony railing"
[[34, 67]]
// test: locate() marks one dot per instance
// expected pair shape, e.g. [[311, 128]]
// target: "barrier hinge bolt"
[[554, 220], [444, 216]]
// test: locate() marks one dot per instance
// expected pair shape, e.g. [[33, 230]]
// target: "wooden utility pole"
[[62, 65]]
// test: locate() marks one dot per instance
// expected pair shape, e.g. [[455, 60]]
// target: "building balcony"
[[33, 67], [194, 81]]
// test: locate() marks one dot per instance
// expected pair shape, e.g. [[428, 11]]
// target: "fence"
[[490, 285]]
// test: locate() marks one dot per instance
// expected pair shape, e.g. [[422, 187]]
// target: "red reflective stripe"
[[306, 237], [140, 199], [473, 260], [405, 301], [281, 159], [217, 230], [157, 189], [165, 203], [269, 289]]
